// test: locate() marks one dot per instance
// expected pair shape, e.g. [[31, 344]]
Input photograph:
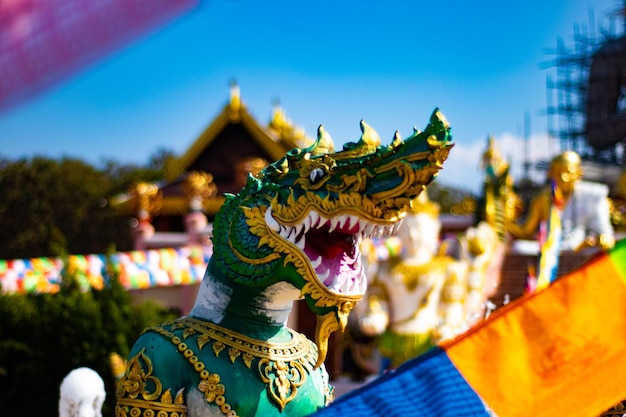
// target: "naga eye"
[[316, 175]]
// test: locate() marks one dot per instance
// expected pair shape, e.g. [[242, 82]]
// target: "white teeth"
[[397, 226], [333, 224], [315, 218], [335, 285], [323, 221], [270, 221], [342, 282], [352, 285], [322, 277], [306, 223], [362, 225], [343, 219], [298, 228], [354, 221], [344, 285], [362, 280], [316, 262]]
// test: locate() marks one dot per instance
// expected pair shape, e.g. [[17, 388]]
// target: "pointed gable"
[[233, 141]]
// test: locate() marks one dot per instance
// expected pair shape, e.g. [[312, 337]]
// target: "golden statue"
[[584, 207]]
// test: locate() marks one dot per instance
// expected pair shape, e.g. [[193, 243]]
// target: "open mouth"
[[333, 247]]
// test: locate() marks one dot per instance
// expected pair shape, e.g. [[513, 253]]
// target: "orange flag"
[[557, 352]]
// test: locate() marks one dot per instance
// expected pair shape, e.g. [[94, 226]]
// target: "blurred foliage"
[[50, 207], [44, 336], [55, 208]]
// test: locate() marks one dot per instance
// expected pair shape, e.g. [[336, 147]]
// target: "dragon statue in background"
[[292, 232]]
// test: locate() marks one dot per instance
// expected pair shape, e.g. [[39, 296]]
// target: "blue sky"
[[327, 62]]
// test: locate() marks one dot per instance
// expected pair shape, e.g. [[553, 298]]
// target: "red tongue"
[[333, 250], [331, 245], [339, 244]]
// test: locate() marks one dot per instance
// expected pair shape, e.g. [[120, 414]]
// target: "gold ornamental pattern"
[[282, 367], [210, 384], [140, 394]]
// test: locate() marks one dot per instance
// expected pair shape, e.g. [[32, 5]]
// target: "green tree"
[[51, 207], [124, 176], [54, 208], [44, 336]]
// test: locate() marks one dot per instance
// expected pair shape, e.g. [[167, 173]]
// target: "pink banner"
[[44, 42]]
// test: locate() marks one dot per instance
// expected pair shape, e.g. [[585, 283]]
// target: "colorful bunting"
[[135, 270]]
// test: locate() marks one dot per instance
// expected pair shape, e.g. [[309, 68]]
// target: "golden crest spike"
[[369, 136], [324, 143], [441, 118], [397, 139]]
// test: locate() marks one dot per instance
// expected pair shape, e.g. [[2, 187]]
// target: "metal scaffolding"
[[569, 102]]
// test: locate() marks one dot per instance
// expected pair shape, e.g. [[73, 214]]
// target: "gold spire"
[[285, 129], [235, 96], [492, 158], [234, 105]]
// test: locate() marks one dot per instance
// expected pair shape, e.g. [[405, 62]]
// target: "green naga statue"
[[292, 232]]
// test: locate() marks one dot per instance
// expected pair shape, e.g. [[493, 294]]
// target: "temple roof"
[[230, 147], [275, 139]]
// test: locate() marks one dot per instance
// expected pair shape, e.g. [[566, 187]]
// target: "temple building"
[[179, 211], [172, 220]]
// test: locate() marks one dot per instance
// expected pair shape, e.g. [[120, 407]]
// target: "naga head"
[[302, 218]]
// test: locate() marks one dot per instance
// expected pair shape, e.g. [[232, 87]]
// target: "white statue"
[[407, 291], [482, 250], [82, 394], [425, 295]]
